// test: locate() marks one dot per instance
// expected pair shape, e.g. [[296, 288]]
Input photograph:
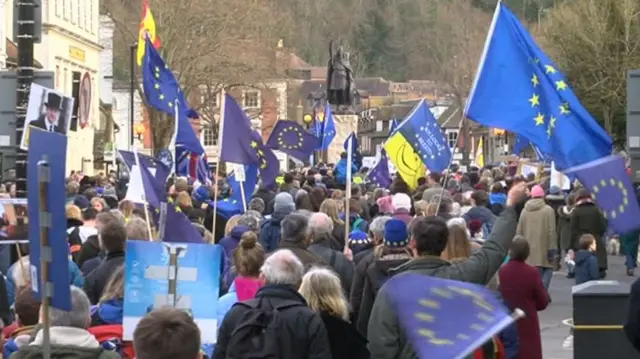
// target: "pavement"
[[553, 326]]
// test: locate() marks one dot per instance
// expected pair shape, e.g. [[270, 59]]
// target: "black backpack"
[[258, 333]]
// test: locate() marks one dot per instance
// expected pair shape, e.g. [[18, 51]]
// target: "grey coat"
[[386, 338]]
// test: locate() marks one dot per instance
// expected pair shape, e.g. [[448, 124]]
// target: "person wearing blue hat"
[[392, 253], [359, 241]]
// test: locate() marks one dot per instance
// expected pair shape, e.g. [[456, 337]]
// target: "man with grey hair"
[[324, 246], [137, 229], [295, 237], [68, 334], [256, 204], [300, 332]]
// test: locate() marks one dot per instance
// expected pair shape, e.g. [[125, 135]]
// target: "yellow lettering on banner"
[[76, 53]]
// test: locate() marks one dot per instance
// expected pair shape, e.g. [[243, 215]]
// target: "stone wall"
[[345, 124]]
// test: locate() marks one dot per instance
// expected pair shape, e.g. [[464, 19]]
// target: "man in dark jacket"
[[295, 238], [112, 239], [270, 228], [303, 334], [320, 227], [428, 240]]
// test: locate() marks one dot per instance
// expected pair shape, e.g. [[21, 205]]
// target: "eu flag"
[[328, 128], [153, 190], [518, 88], [158, 169], [232, 205], [178, 228], [444, 318], [290, 138], [268, 164], [235, 145], [611, 188], [380, 174], [421, 130], [161, 89]]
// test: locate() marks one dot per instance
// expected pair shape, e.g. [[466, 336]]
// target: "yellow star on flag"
[[254, 144], [534, 80], [156, 86], [161, 97], [539, 119], [549, 69], [564, 109], [561, 85], [535, 100]]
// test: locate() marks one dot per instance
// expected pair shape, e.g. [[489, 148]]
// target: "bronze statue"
[[340, 79]]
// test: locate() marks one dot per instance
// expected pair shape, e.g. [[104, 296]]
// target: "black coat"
[[89, 249], [336, 260], [304, 332], [632, 325], [41, 123], [344, 339], [95, 281]]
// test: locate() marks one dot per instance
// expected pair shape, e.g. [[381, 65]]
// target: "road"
[[553, 331]]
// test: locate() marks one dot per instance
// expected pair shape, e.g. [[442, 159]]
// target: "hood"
[[388, 263], [68, 336], [278, 216], [246, 288], [110, 311], [582, 255], [564, 212], [483, 214], [85, 232], [534, 204], [237, 232], [497, 198]]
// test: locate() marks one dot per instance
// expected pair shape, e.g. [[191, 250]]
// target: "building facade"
[[70, 44]]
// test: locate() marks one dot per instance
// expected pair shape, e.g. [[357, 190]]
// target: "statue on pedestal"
[[341, 85]]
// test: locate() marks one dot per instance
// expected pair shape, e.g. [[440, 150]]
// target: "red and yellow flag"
[[147, 28]]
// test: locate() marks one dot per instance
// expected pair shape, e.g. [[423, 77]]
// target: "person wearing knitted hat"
[[359, 241], [392, 253], [538, 225]]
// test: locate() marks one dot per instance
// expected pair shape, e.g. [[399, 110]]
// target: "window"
[[213, 100], [379, 125], [208, 137], [90, 16], [66, 9], [452, 137], [73, 9], [251, 99], [114, 103], [57, 80], [59, 8], [63, 86], [81, 13]]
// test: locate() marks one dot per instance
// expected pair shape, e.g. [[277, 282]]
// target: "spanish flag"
[[479, 155], [405, 159], [147, 28]]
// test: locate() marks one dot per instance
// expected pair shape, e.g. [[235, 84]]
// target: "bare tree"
[[594, 43], [207, 45]]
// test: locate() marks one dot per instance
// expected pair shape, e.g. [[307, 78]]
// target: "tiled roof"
[[12, 55]]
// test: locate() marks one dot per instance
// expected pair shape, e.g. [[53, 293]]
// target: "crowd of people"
[[294, 283]]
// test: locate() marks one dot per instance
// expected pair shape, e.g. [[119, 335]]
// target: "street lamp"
[[139, 129]]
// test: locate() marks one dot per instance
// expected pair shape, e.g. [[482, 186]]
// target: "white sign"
[[558, 179], [84, 100], [238, 172]]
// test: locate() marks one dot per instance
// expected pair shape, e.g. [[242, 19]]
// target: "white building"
[[69, 44]]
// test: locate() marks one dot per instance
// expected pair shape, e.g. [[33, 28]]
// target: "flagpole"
[[146, 216], [215, 192], [348, 189]]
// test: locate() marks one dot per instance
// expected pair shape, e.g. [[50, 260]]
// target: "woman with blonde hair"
[[322, 290], [73, 215], [332, 208], [458, 244], [108, 311], [126, 207]]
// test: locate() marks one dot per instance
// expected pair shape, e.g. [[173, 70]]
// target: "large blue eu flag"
[[421, 130], [518, 88], [445, 318], [611, 188], [292, 139]]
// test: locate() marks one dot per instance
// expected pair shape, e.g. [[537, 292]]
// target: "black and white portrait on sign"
[[47, 110]]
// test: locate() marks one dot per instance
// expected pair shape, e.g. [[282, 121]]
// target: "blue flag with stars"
[[236, 146], [328, 132], [612, 190], [445, 318], [421, 130], [161, 88], [232, 205], [292, 139], [518, 88], [380, 174]]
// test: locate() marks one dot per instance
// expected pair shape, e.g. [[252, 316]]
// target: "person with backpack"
[[479, 211], [277, 323]]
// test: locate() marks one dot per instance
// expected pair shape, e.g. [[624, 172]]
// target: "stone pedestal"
[[345, 124]]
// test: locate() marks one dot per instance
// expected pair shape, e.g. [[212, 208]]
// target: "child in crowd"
[[586, 263]]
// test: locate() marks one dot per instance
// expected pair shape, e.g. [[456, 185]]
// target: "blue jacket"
[[270, 231], [586, 266], [229, 243], [341, 171]]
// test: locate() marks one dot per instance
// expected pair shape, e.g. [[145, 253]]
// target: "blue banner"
[[147, 278]]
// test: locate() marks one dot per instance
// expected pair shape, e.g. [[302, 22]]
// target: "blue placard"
[[147, 282], [52, 148]]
